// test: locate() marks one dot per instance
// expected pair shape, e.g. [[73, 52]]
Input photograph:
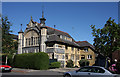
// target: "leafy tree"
[[107, 39], [8, 45]]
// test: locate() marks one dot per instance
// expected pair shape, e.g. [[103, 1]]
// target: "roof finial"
[[21, 26], [42, 11], [21, 30], [31, 17]]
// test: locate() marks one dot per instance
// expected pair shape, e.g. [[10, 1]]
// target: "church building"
[[59, 45]]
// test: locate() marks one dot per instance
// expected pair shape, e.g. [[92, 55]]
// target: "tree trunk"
[[6, 60], [106, 63]]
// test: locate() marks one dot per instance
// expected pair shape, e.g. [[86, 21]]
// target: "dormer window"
[[36, 24], [86, 49], [61, 36]]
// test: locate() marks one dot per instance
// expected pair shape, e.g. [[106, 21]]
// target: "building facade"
[[59, 45]]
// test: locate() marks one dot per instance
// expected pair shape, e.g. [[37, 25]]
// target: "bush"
[[69, 63], [83, 62], [32, 60], [55, 65], [10, 60], [118, 67], [41, 61]]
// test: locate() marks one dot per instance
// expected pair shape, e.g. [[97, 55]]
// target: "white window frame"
[[89, 57]]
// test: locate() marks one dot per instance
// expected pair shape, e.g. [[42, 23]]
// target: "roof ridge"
[[57, 30]]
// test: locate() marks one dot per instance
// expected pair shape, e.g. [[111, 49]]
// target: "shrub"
[[69, 63], [24, 60], [118, 67], [55, 65], [32, 60], [41, 61], [83, 62], [10, 60]]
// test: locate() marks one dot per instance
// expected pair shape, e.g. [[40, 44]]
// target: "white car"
[[90, 71]]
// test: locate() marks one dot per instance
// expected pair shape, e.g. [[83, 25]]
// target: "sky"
[[74, 18]]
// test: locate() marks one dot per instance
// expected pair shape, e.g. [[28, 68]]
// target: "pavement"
[[61, 70]]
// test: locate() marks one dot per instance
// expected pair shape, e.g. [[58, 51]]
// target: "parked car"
[[113, 68], [4, 68], [90, 71]]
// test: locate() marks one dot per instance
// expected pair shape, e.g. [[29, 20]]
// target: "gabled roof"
[[56, 31]]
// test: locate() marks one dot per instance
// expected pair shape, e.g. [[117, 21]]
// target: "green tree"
[[8, 45], [107, 39]]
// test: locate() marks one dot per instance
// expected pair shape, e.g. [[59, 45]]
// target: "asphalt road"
[[32, 74]]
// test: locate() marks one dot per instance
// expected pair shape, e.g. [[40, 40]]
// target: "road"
[[33, 74], [17, 72]]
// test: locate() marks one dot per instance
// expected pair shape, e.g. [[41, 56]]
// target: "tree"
[[107, 39], [8, 45]]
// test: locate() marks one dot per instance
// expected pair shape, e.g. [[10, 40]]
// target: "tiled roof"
[[56, 31], [85, 44], [55, 38]]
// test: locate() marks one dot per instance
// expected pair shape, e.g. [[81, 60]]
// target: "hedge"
[[10, 60], [55, 65], [38, 61]]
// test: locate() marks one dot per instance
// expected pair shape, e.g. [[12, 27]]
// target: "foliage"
[[41, 61], [118, 67], [8, 44], [55, 65], [69, 63], [107, 39], [32, 60], [83, 62], [10, 60]]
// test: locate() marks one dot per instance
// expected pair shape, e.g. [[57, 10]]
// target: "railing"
[[57, 50]]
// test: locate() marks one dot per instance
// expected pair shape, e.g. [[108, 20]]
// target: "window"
[[62, 56], [66, 56], [29, 41], [86, 49], [89, 57], [61, 36], [77, 57], [77, 49], [72, 48], [91, 69], [57, 56], [84, 69], [51, 45], [98, 70], [66, 47], [59, 46], [72, 57], [26, 42], [34, 40], [82, 56], [56, 45]]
